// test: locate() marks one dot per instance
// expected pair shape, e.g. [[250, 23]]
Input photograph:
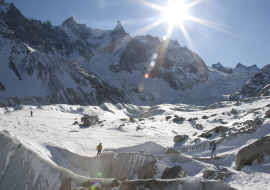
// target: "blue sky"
[[232, 31]]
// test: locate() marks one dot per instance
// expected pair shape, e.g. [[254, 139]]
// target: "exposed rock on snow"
[[222, 174], [132, 120], [171, 151], [174, 172], [205, 135], [267, 114], [199, 126], [177, 119], [148, 170], [221, 129], [90, 120], [179, 138], [168, 117], [252, 152], [233, 111]]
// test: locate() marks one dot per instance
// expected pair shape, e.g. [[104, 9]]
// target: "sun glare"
[[176, 12]]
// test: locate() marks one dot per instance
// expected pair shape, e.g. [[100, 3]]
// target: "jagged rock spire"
[[119, 28], [119, 31], [70, 21]]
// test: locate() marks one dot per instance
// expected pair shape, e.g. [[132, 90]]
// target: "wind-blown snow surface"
[[52, 137]]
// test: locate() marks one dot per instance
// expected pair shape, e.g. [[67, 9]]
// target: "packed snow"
[[50, 133]]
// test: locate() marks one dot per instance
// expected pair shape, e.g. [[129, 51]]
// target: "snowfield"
[[55, 142]]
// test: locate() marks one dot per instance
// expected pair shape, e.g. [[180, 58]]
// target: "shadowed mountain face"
[[259, 85], [72, 63]]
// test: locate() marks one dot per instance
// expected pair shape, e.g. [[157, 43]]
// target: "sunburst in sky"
[[176, 14]]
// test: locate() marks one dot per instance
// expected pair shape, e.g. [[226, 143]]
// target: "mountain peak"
[[239, 65], [69, 21], [119, 29], [2, 2], [218, 64], [221, 68]]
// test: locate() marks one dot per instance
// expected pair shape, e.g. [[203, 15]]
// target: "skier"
[[31, 112], [99, 147], [213, 146]]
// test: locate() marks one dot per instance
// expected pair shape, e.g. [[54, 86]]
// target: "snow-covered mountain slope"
[[74, 64], [257, 86], [51, 147]]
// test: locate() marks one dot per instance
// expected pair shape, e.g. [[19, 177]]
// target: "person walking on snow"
[[31, 112], [213, 146], [99, 147]]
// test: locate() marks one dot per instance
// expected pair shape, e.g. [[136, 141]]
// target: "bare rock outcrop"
[[148, 170], [222, 174], [179, 138], [171, 151], [89, 120], [252, 152], [233, 111], [174, 172], [177, 119]]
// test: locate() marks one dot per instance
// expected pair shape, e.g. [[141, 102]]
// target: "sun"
[[176, 12]]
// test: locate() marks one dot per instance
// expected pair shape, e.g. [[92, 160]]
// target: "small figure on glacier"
[[213, 146], [31, 112], [99, 147]]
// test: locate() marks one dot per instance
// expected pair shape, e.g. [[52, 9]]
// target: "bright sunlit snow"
[[51, 134]]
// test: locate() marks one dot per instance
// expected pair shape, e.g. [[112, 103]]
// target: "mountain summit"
[[118, 32], [74, 64]]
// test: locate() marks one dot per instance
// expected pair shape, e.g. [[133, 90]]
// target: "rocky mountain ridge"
[[238, 68], [74, 64], [259, 85]]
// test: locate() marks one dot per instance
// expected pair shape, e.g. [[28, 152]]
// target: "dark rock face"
[[205, 135], [233, 111], [257, 86], [171, 151], [267, 114], [179, 138], [177, 65], [223, 174], [148, 171], [174, 61], [221, 68], [90, 120], [133, 58], [252, 152], [177, 119], [46, 36], [174, 172], [118, 32], [2, 87]]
